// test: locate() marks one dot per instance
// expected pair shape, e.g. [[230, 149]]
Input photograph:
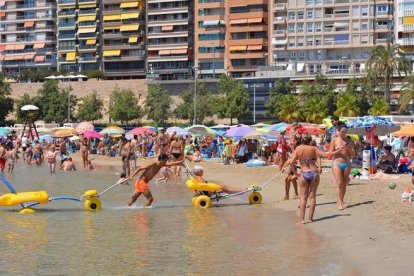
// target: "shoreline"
[[372, 234]]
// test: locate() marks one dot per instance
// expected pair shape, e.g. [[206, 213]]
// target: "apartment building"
[[170, 42], [27, 35], [404, 28], [246, 37], [328, 36], [209, 37], [78, 35], [123, 36]]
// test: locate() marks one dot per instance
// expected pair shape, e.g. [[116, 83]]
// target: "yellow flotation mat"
[[194, 185], [14, 199]]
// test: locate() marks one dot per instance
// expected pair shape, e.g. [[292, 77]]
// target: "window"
[[364, 26], [364, 11], [309, 43], [291, 28], [300, 27], [291, 15], [309, 14], [300, 15], [319, 55], [211, 36], [309, 2], [318, 27], [293, 55], [382, 9], [318, 2], [301, 55], [341, 38], [355, 11], [318, 13], [309, 27], [318, 42], [311, 55]]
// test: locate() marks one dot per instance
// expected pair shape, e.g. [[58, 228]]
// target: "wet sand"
[[371, 236]]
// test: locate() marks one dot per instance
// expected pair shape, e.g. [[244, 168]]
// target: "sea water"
[[171, 238]]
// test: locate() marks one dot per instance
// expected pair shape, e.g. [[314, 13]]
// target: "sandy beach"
[[372, 234]]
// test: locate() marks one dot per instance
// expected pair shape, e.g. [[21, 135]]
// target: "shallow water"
[[232, 238]]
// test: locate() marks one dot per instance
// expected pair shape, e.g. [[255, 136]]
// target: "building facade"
[[27, 35], [78, 34], [404, 21], [170, 39], [328, 36]]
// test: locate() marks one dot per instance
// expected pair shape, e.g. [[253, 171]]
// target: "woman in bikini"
[[341, 166], [309, 158], [176, 150], [51, 159], [84, 149]]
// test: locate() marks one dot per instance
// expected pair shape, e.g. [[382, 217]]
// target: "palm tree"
[[316, 110], [379, 107], [289, 109], [407, 93], [347, 106], [385, 61]]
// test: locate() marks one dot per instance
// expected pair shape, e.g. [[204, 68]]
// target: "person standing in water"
[[149, 172]]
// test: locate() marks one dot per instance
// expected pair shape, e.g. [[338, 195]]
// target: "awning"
[[39, 58], [15, 57], [238, 48], [179, 51], [299, 67], [87, 18], [129, 5], [279, 42], [112, 53], [112, 27], [408, 20], [128, 28], [39, 45], [19, 46], [167, 28], [2, 13], [164, 52], [238, 21], [91, 42], [86, 30], [28, 24], [341, 24], [2, 47], [133, 39], [113, 17], [133, 15], [211, 23], [71, 56], [9, 47], [86, 5], [29, 56], [255, 20], [254, 47]]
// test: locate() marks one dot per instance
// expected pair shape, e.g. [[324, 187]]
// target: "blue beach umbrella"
[[362, 125], [4, 131], [279, 127], [48, 138]]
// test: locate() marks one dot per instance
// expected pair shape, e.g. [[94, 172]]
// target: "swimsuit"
[[342, 165], [176, 154], [36, 156], [2, 163], [309, 175], [141, 186]]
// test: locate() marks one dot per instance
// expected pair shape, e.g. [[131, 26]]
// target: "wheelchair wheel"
[[93, 204], [194, 200], [255, 198], [203, 201]]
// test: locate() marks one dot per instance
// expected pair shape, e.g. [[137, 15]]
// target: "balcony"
[[87, 59], [279, 33], [380, 41], [67, 48], [341, 15], [406, 41], [87, 47], [124, 72], [156, 23], [125, 58], [167, 11], [66, 2], [67, 13], [167, 58], [70, 25], [88, 11], [341, 1], [279, 20], [279, 7], [66, 36]]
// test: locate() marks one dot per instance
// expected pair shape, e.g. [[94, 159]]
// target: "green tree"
[[384, 61], [90, 107], [53, 102], [289, 109], [6, 102], [124, 106], [20, 102], [407, 93], [347, 105], [157, 104], [379, 107], [278, 90], [315, 110]]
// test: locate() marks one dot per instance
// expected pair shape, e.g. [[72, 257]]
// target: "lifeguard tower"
[[30, 111]]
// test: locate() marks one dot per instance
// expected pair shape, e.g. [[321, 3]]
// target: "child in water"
[[166, 173], [198, 173]]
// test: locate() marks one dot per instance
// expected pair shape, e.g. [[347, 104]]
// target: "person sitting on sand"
[[198, 175], [387, 161], [149, 172], [68, 165]]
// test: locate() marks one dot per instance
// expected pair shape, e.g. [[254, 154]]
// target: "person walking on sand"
[[310, 169], [84, 149], [341, 166], [149, 172], [125, 153]]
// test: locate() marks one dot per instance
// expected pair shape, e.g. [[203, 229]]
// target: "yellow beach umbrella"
[[113, 130], [406, 130], [63, 132]]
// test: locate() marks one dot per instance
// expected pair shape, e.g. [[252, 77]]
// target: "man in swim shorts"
[[150, 171]]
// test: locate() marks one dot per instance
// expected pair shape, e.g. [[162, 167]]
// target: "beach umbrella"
[[140, 130], [74, 138], [43, 130], [92, 134], [309, 129], [81, 76], [29, 107], [238, 131], [255, 134], [380, 125], [260, 125], [200, 130], [47, 137], [220, 126], [63, 132], [50, 78], [220, 132], [151, 127], [113, 130], [84, 126], [180, 131], [280, 127], [406, 130], [4, 131]]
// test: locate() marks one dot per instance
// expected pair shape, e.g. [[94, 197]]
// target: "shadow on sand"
[[331, 217], [361, 203], [326, 203]]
